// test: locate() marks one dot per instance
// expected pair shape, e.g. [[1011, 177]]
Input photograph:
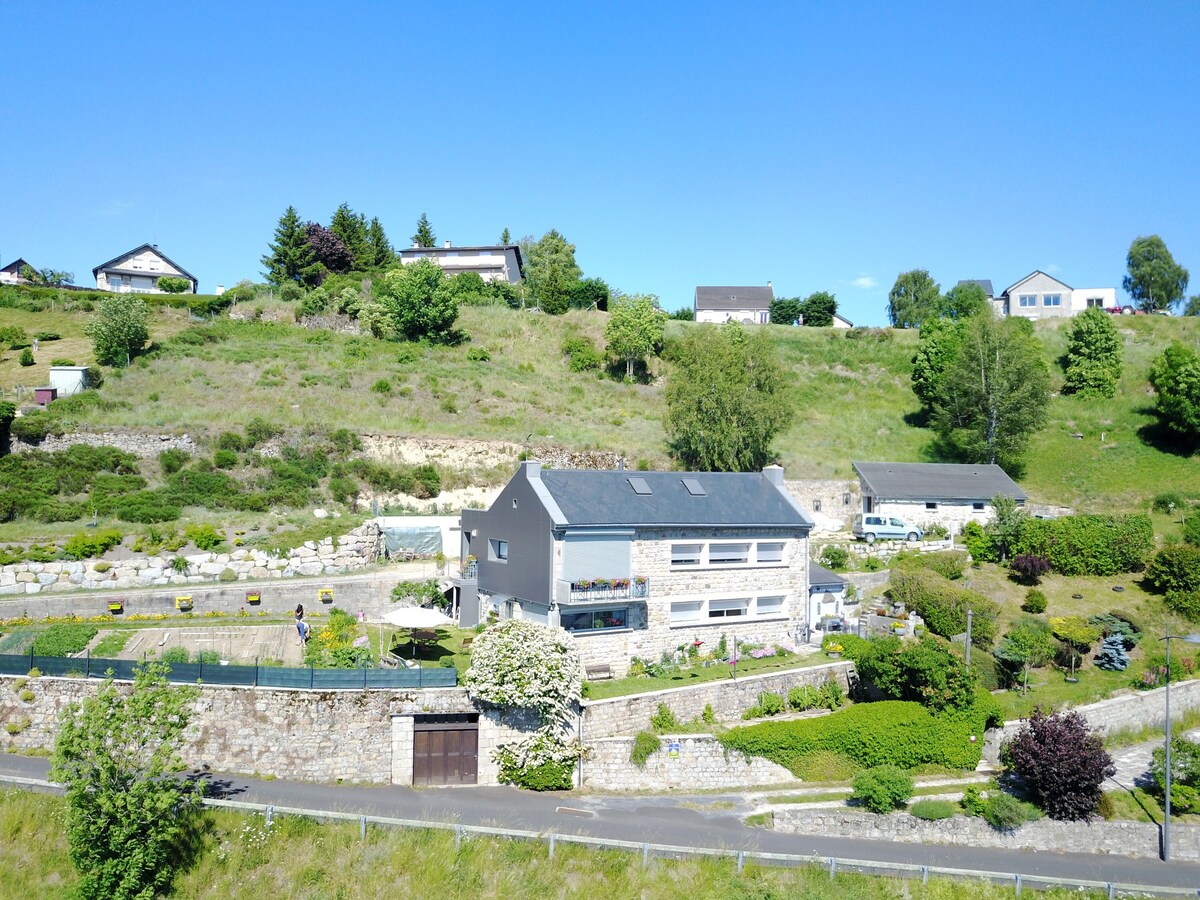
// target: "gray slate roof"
[[820, 578], [936, 481], [595, 498], [985, 283], [182, 271], [752, 297]]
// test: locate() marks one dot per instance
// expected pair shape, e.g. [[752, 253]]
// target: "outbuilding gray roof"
[[985, 283], [627, 498], [751, 297], [821, 579], [936, 481]]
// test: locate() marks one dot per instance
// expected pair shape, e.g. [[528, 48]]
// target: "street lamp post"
[[1193, 638]]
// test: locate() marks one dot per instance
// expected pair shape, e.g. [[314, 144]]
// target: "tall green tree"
[[590, 293], [1006, 523], [1030, 645], [120, 329], [1155, 280], [290, 257], [551, 272], [505, 238], [939, 342], [381, 254], [818, 309], [785, 310], [129, 814], [419, 302], [1175, 377], [964, 300], [725, 399], [994, 394], [1193, 306], [351, 228], [914, 298], [424, 236], [1093, 355], [634, 330]]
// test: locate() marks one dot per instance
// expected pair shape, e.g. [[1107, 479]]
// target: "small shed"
[[43, 395], [68, 380]]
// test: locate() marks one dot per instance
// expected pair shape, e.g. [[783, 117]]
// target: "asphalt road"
[[697, 821]]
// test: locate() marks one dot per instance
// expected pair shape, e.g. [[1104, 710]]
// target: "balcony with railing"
[[469, 570], [602, 590]]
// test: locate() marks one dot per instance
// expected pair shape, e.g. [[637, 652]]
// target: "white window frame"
[[497, 550], [773, 557], [1027, 301], [1054, 300], [683, 558], [730, 608], [687, 612], [730, 553], [775, 610]]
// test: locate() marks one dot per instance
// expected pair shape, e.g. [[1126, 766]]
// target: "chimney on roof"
[[769, 284], [774, 475], [620, 464], [447, 245], [416, 244], [533, 469]]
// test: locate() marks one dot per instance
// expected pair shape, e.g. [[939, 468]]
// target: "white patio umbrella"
[[417, 617]]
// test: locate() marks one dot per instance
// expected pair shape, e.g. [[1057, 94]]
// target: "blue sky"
[[816, 148]]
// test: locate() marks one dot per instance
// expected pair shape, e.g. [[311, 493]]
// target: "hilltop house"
[[499, 262], [138, 271], [634, 564], [1042, 296], [748, 305], [11, 274], [927, 494]]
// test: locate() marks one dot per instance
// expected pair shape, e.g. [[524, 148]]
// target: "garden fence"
[[247, 676]]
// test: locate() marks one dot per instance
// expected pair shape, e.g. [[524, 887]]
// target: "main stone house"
[[638, 564]]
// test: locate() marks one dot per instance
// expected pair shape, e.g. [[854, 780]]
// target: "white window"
[[686, 554], [728, 554], [499, 550], [770, 552], [686, 611], [724, 609], [769, 606], [1027, 301], [1095, 303], [1052, 300]]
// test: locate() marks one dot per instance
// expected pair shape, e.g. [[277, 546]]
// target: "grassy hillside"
[[850, 389]]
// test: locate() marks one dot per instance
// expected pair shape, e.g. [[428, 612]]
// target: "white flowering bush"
[[529, 666], [525, 665]]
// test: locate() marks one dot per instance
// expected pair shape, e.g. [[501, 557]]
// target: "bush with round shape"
[[1006, 813], [934, 810], [882, 789], [26, 358], [1062, 763], [835, 558], [1035, 602]]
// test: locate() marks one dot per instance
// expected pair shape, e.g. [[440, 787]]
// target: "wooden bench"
[[598, 672]]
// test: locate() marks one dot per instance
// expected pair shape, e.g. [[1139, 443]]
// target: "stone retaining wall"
[[700, 763], [358, 548], [306, 735], [729, 697], [145, 446], [1119, 838]]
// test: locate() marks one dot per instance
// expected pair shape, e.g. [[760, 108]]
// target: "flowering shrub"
[[526, 665]]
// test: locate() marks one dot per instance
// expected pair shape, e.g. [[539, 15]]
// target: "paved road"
[[700, 821]]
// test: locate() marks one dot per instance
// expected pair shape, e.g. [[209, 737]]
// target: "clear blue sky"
[[675, 145]]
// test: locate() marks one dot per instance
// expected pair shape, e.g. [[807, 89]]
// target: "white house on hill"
[[138, 271]]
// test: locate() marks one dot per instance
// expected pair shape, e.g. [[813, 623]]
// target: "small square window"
[[816, 506], [1052, 300], [977, 506], [769, 606], [846, 499], [499, 550], [685, 554], [770, 552], [514, 502], [929, 504]]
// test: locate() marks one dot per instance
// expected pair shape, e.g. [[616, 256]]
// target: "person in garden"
[[301, 625]]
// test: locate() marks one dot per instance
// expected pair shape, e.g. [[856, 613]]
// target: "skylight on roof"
[[694, 487], [640, 486]]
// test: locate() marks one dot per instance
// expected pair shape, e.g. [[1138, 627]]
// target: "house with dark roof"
[[748, 305], [1042, 296], [494, 262], [826, 599], [635, 564], [925, 494], [138, 270], [11, 274]]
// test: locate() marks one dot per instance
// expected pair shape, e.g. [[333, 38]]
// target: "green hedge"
[[895, 732], [943, 605], [1089, 545], [1175, 568], [949, 565]]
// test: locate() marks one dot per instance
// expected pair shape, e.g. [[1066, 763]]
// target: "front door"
[[445, 749]]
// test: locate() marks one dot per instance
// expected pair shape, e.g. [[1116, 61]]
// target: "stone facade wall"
[[651, 557], [701, 764], [1120, 838], [351, 735], [953, 515], [330, 556], [830, 501], [729, 698]]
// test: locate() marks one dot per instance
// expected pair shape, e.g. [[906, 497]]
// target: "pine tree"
[[424, 236], [351, 227], [382, 255], [291, 258], [505, 238]]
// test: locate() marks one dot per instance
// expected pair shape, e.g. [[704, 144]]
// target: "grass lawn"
[[621, 687], [237, 857], [1139, 805]]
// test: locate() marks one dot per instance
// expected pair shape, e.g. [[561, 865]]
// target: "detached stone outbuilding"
[[927, 494]]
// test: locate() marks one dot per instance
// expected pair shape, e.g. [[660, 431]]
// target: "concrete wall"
[[729, 697], [953, 515], [1121, 838], [1038, 285], [700, 763]]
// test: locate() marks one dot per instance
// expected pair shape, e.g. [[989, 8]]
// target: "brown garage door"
[[445, 749]]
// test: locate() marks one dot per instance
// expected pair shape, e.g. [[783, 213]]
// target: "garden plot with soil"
[[233, 644]]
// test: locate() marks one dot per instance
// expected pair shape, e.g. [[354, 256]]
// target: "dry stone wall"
[[1118, 838], [729, 698], [688, 762], [331, 556], [145, 446]]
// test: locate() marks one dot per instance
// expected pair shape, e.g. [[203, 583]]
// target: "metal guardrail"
[[245, 676], [648, 851]]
